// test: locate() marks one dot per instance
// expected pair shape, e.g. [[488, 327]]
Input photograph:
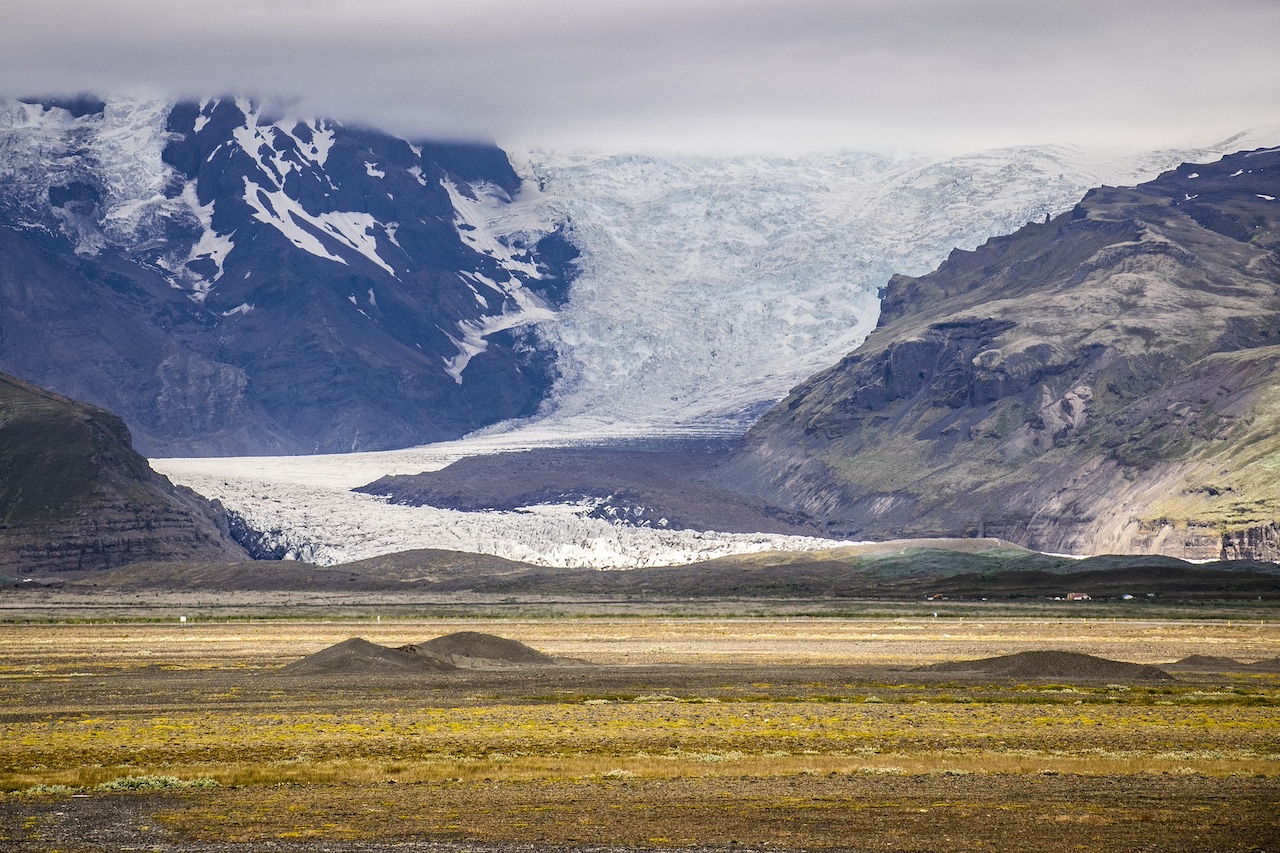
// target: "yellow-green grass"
[[204, 702], [1025, 732]]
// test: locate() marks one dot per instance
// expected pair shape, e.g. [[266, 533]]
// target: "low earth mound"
[[1053, 664], [1208, 663], [1213, 663], [1267, 665], [476, 650], [358, 656], [463, 650]]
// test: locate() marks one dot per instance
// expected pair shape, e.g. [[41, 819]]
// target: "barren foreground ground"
[[744, 734]]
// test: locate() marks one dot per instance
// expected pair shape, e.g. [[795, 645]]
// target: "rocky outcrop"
[[1104, 381], [1253, 543], [75, 496]]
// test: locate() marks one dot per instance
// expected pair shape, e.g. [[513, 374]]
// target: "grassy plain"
[[744, 733]]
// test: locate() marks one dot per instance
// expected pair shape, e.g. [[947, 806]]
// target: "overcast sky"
[[698, 75]]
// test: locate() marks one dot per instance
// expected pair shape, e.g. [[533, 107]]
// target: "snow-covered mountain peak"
[[179, 187], [249, 243]]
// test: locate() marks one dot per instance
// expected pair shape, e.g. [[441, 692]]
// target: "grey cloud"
[[760, 74]]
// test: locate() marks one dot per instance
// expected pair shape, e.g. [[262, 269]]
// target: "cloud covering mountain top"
[[711, 75]]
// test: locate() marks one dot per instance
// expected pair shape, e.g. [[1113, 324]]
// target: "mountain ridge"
[[1101, 382]]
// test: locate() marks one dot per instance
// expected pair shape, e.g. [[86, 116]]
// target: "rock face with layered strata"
[[1103, 382], [75, 496]]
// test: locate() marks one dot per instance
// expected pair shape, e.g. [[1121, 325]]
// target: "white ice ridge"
[[709, 287], [308, 499]]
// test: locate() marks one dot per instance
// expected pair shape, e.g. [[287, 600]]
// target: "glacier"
[[706, 288]]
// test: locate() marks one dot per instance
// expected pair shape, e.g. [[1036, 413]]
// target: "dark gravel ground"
[[1167, 813]]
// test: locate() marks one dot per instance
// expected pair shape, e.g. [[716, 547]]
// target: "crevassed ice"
[[118, 150], [307, 500]]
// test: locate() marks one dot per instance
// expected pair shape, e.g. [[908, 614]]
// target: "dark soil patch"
[[1052, 814], [1208, 663], [663, 488], [1053, 664]]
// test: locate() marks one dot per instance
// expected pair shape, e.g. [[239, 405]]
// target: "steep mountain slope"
[[232, 282], [74, 495], [1103, 382]]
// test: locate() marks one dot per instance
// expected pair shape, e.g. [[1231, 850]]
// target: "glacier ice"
[[306, 505]]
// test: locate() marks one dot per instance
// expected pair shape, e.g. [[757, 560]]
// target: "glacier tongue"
[[305, 504]]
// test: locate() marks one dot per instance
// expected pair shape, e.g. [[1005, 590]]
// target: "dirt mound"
[[1267, 665], [1208, 663], [1054, 664], [472, 648], [358, 656]]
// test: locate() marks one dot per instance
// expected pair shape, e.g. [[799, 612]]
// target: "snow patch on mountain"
[[210, 246], [487, 221], [525, 308], [284, 213]]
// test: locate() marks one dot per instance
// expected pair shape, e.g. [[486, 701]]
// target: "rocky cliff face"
[[74, 495], [231, 282], [1106, 381]]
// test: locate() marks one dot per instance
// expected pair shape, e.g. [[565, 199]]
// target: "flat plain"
[[692, 732]]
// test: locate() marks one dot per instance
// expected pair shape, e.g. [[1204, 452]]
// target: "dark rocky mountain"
[[1104, 382], [231, 282], [74, 495]]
